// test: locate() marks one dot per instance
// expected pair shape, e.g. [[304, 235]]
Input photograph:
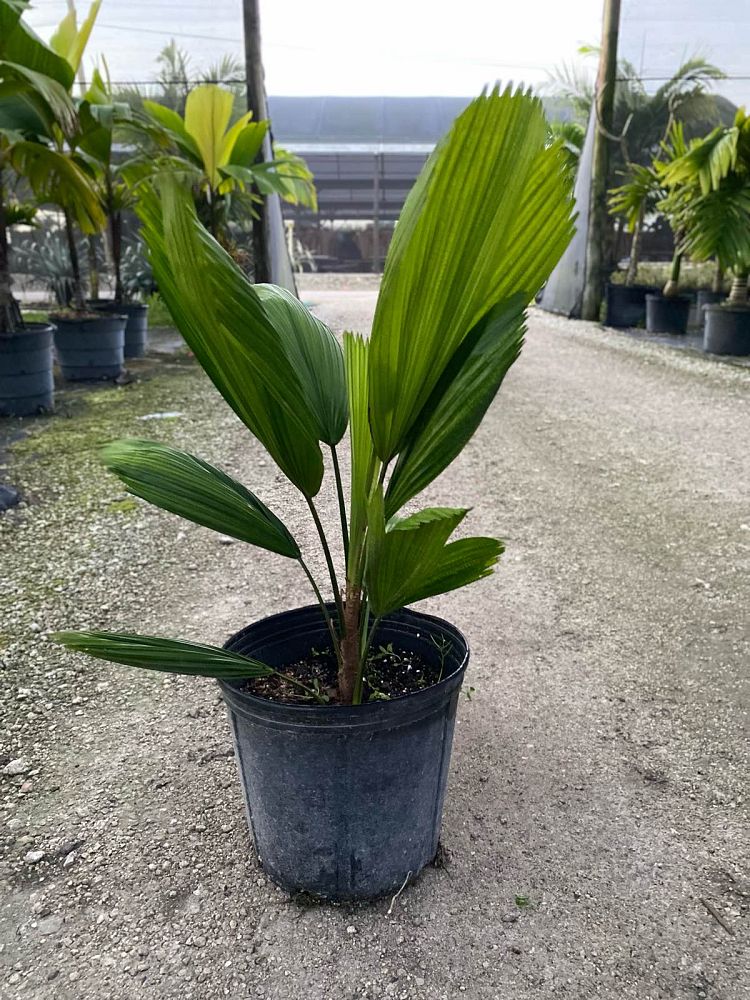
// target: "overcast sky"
[[387, 47], [407, 47]]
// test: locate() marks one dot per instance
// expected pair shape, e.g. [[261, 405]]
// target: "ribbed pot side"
[[345, 802]]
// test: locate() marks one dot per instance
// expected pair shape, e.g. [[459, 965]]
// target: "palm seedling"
[[217, 158], [481, 230]]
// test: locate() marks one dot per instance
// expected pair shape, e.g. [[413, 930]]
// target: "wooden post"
[[603, 107], [256, 102]]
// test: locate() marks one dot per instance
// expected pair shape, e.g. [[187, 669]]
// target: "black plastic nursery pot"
[[90, 348], [26, 380], [727, 330], [626, 304], [345, 802], [667, 314], [706, 297], [136, 327]]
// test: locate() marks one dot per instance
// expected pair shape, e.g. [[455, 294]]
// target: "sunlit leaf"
[[488, 218], [69, 41], [208, 110], [247, 144]]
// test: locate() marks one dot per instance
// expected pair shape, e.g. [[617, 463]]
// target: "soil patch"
[[390, 673]]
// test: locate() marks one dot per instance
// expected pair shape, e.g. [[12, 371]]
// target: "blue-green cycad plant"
[[480, 232]]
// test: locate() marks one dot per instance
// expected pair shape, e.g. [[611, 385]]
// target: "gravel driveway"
[[596, 828]]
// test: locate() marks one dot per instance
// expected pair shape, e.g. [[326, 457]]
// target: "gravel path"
[[597, 818]]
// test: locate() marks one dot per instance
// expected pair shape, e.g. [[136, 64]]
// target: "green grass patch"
[[657, 273], [158, 314], [125, 506]]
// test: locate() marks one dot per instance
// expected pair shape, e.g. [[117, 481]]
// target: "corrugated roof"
[[369, 121]]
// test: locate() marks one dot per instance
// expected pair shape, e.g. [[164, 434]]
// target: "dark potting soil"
[[390, 673]]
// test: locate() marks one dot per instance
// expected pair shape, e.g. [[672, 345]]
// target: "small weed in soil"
[[390, 673]]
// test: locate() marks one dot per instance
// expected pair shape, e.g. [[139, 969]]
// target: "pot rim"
[[103, 303], [680, 297], [84, 320], [35, 327], [726, 307], [403, 709]]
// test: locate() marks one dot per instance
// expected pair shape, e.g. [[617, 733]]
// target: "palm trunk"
[[672, 287], [635, 251], [115, 238], [738, 294], [115, 227], [718, 279], [350, 651], [77, 302], [93, 268], [10, 314]]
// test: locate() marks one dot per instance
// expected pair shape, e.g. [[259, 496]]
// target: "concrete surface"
[[597, 816]]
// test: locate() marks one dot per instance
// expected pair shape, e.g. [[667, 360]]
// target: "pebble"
[[33, 857], [509, 918], [225, 540], [17, 766], [51, 925], [351, 929]]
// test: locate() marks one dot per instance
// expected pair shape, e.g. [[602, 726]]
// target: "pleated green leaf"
[[460, 563], [33, 103], [458, 402], [487, 219], [248, 144], [185, 485], [70, 40], [170, 656], [221, 317], [362, 453], [405, 552], [315, 356], [61, 179], [173, 123], [20, 45]]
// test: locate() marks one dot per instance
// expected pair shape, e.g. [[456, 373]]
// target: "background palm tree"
[[642, 123], [709, 186], [37, 125]]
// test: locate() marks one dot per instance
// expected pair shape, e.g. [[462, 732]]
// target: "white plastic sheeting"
[[563, 292]]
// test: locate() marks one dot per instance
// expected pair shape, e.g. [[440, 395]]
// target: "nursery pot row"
[[136, 326], [90, 348], [26, 379], [626, 304], [345, 802], [727, 329], [667, 314]]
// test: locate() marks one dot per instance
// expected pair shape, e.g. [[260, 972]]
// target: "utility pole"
[[256, 102], [603, 107]]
